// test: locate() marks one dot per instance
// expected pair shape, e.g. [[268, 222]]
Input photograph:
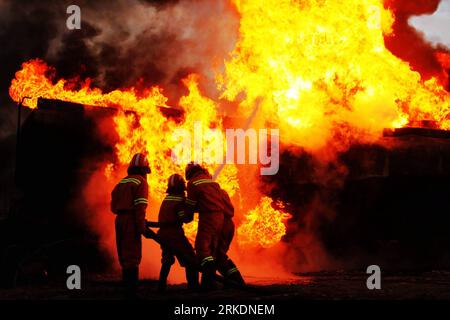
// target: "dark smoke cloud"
[[410, 44], [121, 44], [159, 42]]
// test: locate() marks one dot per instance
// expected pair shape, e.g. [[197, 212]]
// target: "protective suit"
[[171, 218], [129, 200], [215, 227]]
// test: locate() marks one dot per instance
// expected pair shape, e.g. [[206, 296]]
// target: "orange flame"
[[323, 69], [263, 225], [153, 132]]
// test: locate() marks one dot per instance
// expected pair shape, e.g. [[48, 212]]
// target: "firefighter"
[[129, 201], [171, 218], [207, 198], [225, 265]]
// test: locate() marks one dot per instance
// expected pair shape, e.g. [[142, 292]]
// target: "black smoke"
[[410, 44], [121, 43]]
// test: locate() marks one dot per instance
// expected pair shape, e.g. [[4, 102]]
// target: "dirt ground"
[[336, 285]]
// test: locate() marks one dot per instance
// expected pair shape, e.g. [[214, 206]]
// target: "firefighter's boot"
[[163, 274], [232, 273], [130, 280], [208, 273], [192, 279]]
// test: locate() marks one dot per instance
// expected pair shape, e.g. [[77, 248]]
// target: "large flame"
[[154, 132], [146, 128], [324, 71]]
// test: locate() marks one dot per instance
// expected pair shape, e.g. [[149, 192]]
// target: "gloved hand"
[[152, 224], [149, 234]]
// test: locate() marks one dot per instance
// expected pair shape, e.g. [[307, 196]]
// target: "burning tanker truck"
[[364, 149]]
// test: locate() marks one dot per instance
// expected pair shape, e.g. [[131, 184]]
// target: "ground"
[[336, 285]]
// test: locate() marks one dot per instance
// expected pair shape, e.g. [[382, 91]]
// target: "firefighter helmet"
[[176, 182], [192, 168], [140, 161]]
